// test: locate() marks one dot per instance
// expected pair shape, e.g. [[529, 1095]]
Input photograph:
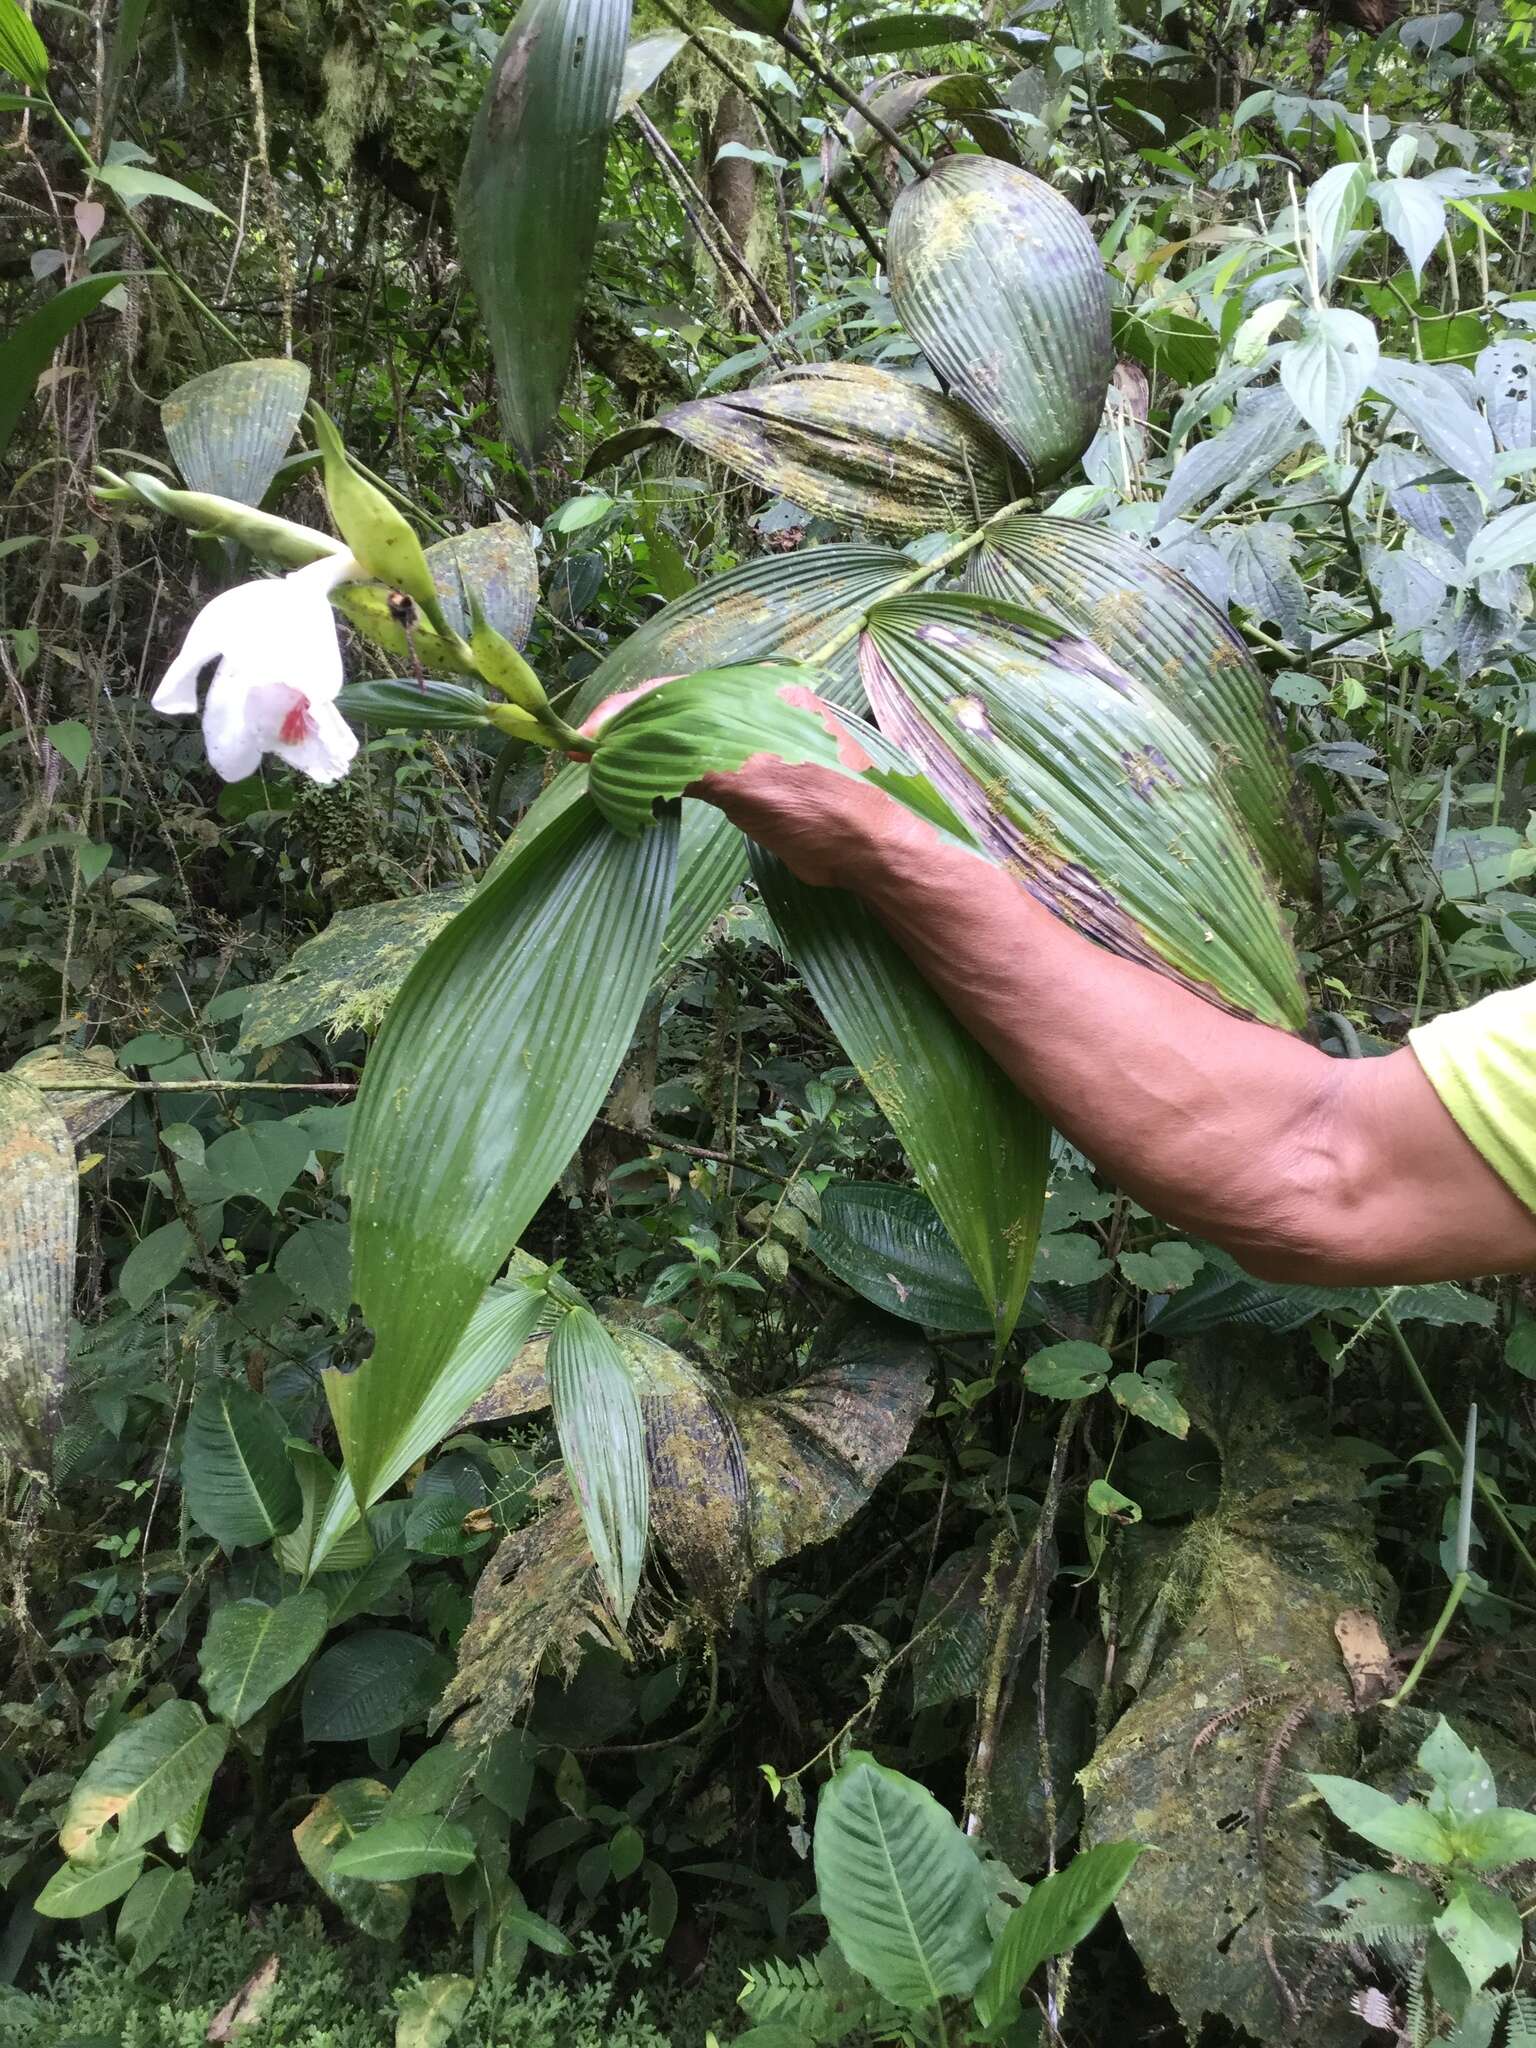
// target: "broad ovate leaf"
[[903, 1891], [849, 442], [886, 1242], [1183, 651], [1062, 1910], [39, 1211], [530, 192], [999, 280], [602, 1439], [980, 1150], [492, 1063], [1413, 214], [1326, 372], [419, 1845], [146, 1776], [1432, 405], [1112, 810], [229, 429], [251, 1651], [236, 1475]]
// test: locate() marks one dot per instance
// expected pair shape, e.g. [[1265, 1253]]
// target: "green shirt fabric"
[[1481, 1063]]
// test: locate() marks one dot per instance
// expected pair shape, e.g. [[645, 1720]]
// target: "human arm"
[[1339, 1172]]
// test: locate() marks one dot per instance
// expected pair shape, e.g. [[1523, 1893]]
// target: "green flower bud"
[[498, 662], [517, 724], [376, 531], [282, 541]]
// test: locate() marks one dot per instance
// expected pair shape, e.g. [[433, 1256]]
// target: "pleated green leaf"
[[22, 50], [711, 867], [1110, 808], [1000, 282], [779, 607], [530, 192], [229, 429], [397, 706], [39, 1211], [886, 1242], [494, 1059], [904, 1893], [849, 442], [602, 1439], [1174, 641], [980, 1151]]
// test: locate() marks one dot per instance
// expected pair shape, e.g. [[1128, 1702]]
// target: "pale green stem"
[[934, 566]]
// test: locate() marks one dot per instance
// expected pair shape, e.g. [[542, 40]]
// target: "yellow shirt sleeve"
[[1481, 1063]]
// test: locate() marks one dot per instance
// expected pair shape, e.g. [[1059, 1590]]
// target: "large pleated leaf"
[[602, 1439], [711, 867], [492, 1063], [846, 441], [395, 705], [886, 1242], [780, 607], [979, 1149], [229, 429], [494, 563], [1000, 282], [903, 1891], [1174, 641], [39, 1210], [530, 192], [1110, 808]]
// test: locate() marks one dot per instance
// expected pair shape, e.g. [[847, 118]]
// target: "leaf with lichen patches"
[[816, 1452], [846, 441], [229, 429], [1000, 282], [1178, 646], [1107, 805], [345, 978], [39, 1211], [1227, 1632], [495, 564], [337, 1818], [80, 1108], [539, 1597]]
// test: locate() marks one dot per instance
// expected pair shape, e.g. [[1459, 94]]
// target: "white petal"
[[233, 748], [299, 644], [228, 628], [328, 748]]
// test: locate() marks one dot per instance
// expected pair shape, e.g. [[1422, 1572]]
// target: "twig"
[[119, 1084]]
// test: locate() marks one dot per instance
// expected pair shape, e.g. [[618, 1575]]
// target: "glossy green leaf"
[[331, 1823], [252, 1650], [392, 705], [430, 2011], [1062, 1910], [1000, 281], [1482, 1929], [28, 349], [711, 866], [39, 1214], [229, 429], [893, 32], [420, 1845], [22, 51], [849, 442], [492, 1063], [602, 1439], [76, 1889], [1396, 1826], [235, 1474], [371, 1684], [152, 1913], [1177, 645], [903, 1891], [980, 1151], [1110, 808], [146, 1776], [886, 1242], [530, 193]]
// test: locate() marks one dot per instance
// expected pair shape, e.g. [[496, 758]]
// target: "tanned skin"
[[1337, 1172]]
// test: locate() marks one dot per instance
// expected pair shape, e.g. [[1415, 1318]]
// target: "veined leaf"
[[602, 1438], [1001, 283], [251, 1651], [151, 1915], [334, 1820], [76, 1889], [22, 50], [1062, 1910], [888, 32], [888, 1244], [235, 1473], [419, 1845], [903, 1891], [1326, 372], [1450, 427], [1113, 809], [1177, 645], [529, 197], [39, 1212], [146, 1776], [396, 706], [492, 1063], [980, 1150], [371, 1684], [28, 348], [229, 429], [847, 441]]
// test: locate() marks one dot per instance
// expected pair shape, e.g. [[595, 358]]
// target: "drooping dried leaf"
[[849, 442], [1227, 1629], [899, 101], [39, 1213], [88, 1109], [1000, 282], [816, 1452], [538, 1597], [229, 429], [248, 2008], [1177, 645]]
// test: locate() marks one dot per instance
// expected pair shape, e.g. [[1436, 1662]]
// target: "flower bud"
[[498, 663], [517, 724], [272, 539], [376, 531]]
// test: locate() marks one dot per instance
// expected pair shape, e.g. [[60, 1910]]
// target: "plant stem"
[[115, 1084], [932, 567], [845, 92], [1431, 1641]]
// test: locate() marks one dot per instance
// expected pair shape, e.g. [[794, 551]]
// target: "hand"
[[825, 827]]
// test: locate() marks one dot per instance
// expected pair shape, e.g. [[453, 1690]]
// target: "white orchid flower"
[[279, 671]]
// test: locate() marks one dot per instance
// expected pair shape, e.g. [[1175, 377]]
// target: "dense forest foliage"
[[575, 1465]]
